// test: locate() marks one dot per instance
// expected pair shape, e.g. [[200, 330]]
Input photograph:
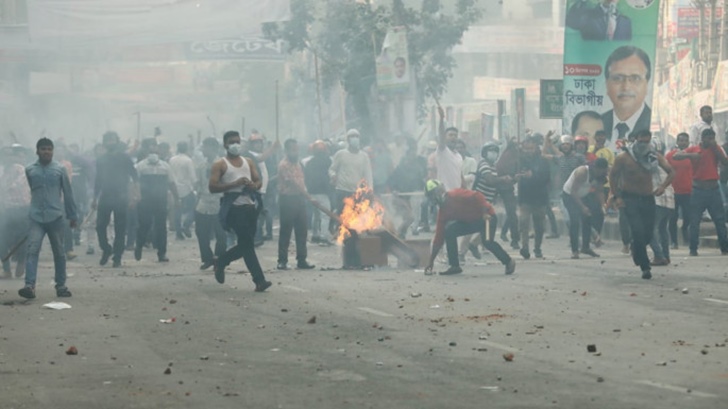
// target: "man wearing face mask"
[[114, 171], [630, 182], [349, 167], [292, 199], [462, 212], [155, 180], [706, 158], [237, 178]]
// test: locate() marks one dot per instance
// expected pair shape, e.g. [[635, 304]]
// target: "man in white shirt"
[[349, 167], [183, 171], [448, 162], [706, 122]]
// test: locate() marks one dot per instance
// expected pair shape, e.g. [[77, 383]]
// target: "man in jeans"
[[292, 202], [51, 198], [462, 212], [237, 178], [706, 195], [631, 185], [683, 185]]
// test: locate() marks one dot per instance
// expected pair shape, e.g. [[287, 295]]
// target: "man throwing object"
[[462, 212]]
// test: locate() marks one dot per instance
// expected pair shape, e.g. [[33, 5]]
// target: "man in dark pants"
[[237, 178], [207, 225], [114, 171], [630, 182], [683, 185], [533, 195], [155, 179], [507, 165], [461, 212], [706, 195], [582, 195], [292, 202]]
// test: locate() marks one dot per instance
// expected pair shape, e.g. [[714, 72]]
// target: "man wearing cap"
[[462, 212], [349, 167]]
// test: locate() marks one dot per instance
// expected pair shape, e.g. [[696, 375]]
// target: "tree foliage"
[[347, 35]]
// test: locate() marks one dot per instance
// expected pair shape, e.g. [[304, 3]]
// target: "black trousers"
[[153, 212], [578, 219], [103, 218], [293, 219], [243, 220], [455, 229], [511, 205], [640, 213], [207, 227]]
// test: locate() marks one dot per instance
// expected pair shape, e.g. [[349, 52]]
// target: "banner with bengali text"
[[609, 58]]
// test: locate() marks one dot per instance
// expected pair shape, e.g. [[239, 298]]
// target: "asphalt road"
[[386, 338]]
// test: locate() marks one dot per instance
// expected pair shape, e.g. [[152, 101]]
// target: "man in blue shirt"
[[51, 195]]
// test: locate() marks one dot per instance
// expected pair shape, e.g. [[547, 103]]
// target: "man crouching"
[[462, 212]]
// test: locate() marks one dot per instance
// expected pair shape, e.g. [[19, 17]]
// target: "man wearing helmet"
[[462, 212]]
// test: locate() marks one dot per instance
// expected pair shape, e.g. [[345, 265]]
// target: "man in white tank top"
[[583, 198], [238, 180]]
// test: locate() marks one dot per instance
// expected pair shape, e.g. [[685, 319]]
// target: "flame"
[[361, 212]]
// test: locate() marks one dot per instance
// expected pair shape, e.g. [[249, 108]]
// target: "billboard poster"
[[393, 70], [552, 99], [609, 57]]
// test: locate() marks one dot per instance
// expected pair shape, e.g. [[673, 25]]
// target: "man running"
[[238, 179], [630, 182]]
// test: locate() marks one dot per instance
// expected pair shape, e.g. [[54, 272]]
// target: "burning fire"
[[361, 212]]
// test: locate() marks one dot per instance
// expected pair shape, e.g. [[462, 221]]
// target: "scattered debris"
[[616, 330], [450, 299], [204, 358], [168, 320], [168, 371], [284, 310], [591, 348], [57, 305], [490, 388], [583, 294], [483, 337], [661, 363], [380, 363], [72, 350], [508, 357], [704, 351], [600, 379], [633, 295], [434, 306], [312, 320], [415, 295], [453, 344], [685, 291], [173, 301]]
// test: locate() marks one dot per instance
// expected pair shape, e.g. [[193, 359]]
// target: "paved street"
[[387, 338]]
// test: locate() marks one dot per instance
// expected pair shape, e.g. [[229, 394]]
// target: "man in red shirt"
[[683, 186], [462, 212], [705, 158]]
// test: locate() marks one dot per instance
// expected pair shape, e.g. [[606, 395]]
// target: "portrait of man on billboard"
[[627, 73], [599, 22]]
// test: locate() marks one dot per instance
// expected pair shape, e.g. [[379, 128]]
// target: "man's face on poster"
[[588, 126], [627, 86], [400, 67]]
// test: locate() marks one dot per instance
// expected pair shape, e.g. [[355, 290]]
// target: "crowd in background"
[[145, 189]]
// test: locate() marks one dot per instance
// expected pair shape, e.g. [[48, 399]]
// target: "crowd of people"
[[231, 190]]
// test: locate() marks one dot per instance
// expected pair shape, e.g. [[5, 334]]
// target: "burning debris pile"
[[361, 213]]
